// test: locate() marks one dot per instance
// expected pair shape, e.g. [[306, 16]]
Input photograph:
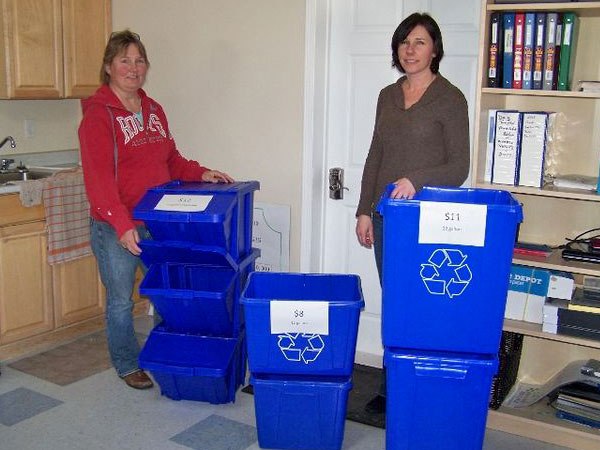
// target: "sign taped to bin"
[[452, 223], [299, 317], [183, 203]]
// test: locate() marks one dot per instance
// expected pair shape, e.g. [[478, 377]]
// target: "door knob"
[[336, 183]]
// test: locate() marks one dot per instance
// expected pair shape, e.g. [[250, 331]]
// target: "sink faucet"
[[10, 139]]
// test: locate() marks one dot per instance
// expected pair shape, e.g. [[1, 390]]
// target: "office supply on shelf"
[[528, 49], [508, 29], [574, 181], [495, 51], [549, 50], [538, 52], [533, 146], [567, 54], [588, 85], [489, 155], [518, 50], [506, 147], [557, 48]]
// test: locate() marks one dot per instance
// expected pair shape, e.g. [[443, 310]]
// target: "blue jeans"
[[117, 268]]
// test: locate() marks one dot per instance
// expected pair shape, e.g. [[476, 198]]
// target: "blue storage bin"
[[190, 367], [226, 222], [436, 400], [198, 298], [301, 412], [184, 252], [302, 353], [438, 292]]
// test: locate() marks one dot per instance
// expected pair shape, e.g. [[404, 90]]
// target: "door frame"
[[318, 15]]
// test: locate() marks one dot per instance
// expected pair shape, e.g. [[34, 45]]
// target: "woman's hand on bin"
[[214, 176], [364, 230], [129, 241], [404, 189]]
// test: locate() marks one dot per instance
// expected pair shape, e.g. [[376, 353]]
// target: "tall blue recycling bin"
[[446, 264], [199, 260]]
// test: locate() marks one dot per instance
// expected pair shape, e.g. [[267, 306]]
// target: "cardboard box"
[[527, 292], [561, 285]]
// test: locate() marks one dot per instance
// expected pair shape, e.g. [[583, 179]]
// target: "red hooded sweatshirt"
[[122, 158]]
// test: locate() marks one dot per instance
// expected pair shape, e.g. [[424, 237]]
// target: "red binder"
[[518, 50]]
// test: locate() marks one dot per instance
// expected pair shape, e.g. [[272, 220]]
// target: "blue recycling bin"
[[300, 412], [192, 367], [437, 400], [446, 262], [212, 214], [299, 351]]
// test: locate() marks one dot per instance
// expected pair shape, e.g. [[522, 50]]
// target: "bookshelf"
[[550, 214]]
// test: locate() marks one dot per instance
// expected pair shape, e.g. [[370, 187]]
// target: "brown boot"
[[138, 380]]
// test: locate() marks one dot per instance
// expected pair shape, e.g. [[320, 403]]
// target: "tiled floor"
[[70, 398]]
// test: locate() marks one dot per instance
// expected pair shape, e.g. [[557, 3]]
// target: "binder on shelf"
[[508, 30], [538, 51], [567, 53], [495, 51], [557, 47], [528, 49], [549, 50], [505, 165], [518, 50], [489, 154], [533, 145]]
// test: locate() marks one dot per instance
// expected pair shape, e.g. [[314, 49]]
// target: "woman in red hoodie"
[[126, 148]]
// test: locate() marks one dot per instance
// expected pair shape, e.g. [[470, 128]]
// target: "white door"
[[358, 66]]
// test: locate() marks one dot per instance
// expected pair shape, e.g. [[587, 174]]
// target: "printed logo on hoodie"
[[131, 127]]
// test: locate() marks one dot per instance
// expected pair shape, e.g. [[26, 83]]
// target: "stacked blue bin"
[[301, 333], [198, 262], [447, 256]]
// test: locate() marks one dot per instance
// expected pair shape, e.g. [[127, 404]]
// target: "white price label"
[[452, 223], [299, 317], [185, 203]]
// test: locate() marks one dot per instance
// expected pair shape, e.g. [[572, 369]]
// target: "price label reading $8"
[[452, 223], [299, 317]]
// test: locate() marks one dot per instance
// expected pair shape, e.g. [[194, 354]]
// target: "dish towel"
[[67, 216]]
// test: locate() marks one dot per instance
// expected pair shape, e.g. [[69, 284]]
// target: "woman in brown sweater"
[[421, 134]]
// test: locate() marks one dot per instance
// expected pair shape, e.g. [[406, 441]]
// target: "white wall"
[[55, 125], [229, 75]]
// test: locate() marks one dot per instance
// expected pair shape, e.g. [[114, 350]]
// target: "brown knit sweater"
[[427, 143]]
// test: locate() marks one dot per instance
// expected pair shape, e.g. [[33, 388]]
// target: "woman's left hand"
[[404, 189], [214, 176]]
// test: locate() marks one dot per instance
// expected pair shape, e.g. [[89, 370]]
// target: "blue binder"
[[508, 27]]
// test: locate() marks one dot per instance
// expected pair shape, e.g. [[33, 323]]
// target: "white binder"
[[505, 167], [533, 145]]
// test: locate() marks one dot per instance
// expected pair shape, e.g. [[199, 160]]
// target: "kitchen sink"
[[16, 175]]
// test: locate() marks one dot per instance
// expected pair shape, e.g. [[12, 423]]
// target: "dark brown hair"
[[117, 44], [404, 29]]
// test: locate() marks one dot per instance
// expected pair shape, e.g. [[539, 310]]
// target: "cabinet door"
[[86, 28], [25, 298], [77, 291], [32, 48]]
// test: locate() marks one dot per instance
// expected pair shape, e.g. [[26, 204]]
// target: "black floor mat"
[[366, 381]]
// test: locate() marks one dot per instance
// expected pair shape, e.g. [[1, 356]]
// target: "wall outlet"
[[29, 126]]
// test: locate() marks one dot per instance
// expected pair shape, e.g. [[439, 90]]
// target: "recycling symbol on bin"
[[300, 346], [446, 272]]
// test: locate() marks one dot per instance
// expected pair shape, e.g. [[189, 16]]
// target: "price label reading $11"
[[299, 317], [452, 223]]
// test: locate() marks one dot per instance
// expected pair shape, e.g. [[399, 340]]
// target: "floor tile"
[[22, 404], [217, 433], [70, 362]]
